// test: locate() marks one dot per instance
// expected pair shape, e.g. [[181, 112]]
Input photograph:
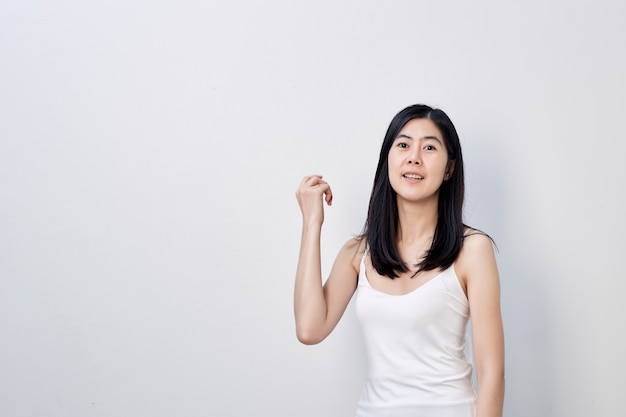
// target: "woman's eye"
[[403, 145], [429, 147]]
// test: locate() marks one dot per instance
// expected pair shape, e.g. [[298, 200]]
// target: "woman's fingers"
[[311, 180], [311, 194], [328, 193], [316, 183]]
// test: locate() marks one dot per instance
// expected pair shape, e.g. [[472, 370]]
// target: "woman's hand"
[[312, 190]]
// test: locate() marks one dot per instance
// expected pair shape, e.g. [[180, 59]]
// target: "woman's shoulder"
[[356, 244], [474, 237], [478, 247], [354, 250]]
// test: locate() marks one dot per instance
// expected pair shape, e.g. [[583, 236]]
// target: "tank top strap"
[[362, 279]]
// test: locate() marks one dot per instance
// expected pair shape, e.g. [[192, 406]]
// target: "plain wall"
[[149, 154]]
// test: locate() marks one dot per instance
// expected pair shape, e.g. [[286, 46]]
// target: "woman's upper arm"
[[337, 292], [480, 271], [342, 281]]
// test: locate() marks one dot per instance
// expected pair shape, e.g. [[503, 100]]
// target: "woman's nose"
[[414, 158]]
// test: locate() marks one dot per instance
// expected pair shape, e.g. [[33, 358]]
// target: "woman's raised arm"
[[318, 307]]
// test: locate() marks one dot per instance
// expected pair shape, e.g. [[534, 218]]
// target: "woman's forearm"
[[309, 301], [490, 395]]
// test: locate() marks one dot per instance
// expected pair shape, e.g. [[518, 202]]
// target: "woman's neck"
[[416, 222]]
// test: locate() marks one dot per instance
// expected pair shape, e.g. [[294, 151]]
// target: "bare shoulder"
[[355, 243], [352, 252], [476, 259], [476, 243]]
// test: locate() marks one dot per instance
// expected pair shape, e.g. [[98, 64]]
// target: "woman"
[[418, 275]]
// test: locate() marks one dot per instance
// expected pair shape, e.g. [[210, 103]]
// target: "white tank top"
[[415, 349]]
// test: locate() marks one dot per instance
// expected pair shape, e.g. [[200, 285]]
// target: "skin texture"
[[418, 165]]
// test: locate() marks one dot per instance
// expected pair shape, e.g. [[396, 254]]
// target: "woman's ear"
[[449, 170]]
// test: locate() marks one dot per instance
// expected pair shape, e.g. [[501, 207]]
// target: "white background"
[[149, 154]]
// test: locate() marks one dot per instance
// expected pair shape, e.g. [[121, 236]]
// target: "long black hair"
[[381, 227]]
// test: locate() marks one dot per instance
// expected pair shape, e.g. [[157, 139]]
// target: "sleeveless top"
[[415, 350]]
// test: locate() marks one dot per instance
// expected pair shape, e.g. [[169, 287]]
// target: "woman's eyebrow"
[[435, 138], [402, 135]]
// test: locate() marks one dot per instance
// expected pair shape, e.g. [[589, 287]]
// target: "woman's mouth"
[[413, 176]]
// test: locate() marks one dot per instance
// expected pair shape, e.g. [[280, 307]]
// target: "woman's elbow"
[[308, 336]]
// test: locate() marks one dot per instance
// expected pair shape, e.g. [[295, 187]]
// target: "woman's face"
[[418, 161]]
